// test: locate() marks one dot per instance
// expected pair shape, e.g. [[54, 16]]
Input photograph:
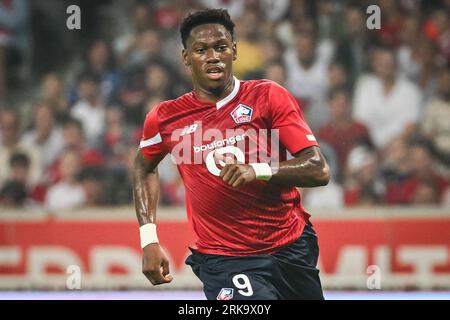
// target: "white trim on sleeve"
[[149, 142]]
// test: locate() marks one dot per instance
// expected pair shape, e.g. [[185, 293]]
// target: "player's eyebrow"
[[215, 42]]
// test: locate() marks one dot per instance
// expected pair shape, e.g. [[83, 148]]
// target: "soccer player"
[[253, 237]]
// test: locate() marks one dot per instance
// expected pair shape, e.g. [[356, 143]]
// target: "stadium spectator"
[[387, 104], [436, 124], [52, 94], [307, 71], [331, 196], [44, 135], [342, 132], [408, 64], [68, 192], [426, 77], [425, 193], [73, 137], [354, 43], [132, 95], [437, 29], [362, 185], [391, 23], [116, 139], [396, 170], [276, 71], [421, 174], [235, 8], [118, 180], [90, 109], [140, 20], [250, 59], [13, 195], [100, 62], [13, 39], [274, 10], [337, 77], [91, 181], [147, 47], [10, 144], [425, 171], [14, 192], [167, 15], [157, 81]]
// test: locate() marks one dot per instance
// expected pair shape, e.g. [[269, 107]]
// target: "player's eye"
[[200, 50], [222, 48]]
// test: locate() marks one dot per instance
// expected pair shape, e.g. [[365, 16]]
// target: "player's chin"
[[215, 85]]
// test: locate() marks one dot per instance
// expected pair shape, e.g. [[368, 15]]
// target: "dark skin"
[[210, 51]]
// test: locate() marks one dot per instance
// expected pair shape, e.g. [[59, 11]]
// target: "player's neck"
[[214, 95]]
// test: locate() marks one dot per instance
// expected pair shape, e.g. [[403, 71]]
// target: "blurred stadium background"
[[72, 103]]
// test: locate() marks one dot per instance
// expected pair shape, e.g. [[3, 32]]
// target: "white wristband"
[[148, 234], [263, 171]]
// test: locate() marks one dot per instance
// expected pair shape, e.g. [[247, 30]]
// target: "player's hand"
[[234, 173], [155, 265]]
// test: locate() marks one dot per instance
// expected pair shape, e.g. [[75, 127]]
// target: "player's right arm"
[[146, 189]]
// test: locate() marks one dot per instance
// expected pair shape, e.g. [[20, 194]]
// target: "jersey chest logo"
[[242, 114]]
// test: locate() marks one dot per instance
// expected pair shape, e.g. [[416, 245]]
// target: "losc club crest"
[[225, 294], [242, 114]]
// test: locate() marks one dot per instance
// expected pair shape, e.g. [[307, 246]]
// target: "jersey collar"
[[231, 96]]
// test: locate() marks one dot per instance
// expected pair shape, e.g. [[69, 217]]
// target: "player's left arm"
[[307, 169]]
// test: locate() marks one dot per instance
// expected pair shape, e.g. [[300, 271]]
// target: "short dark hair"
[[73, 122], [15, 192], [193, 20], [87, 76], [337, 91], [19, 159]]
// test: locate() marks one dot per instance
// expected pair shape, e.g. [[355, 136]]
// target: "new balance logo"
[[189, 129]]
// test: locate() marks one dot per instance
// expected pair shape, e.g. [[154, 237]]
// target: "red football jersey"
[[257, 122]]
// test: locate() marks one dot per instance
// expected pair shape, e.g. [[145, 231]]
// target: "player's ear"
[[234, 51], [185, 58]]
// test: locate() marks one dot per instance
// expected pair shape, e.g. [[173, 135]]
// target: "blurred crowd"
[[378, 100]]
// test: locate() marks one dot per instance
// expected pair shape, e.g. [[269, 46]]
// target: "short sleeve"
[[287, 117], [151, 144]]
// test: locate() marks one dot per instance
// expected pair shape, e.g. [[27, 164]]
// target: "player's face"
[[210, 52]]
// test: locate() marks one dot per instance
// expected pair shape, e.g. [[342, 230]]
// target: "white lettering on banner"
[[10, 256], [382, 258], [42, 257], [104, 257], [423, 259], [348, 268], [352, 260]]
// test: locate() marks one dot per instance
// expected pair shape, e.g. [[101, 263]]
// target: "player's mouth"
[[214, 73]]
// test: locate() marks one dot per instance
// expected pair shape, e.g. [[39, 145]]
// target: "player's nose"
[[212, 56]]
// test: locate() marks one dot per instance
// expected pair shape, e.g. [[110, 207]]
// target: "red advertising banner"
[[404, 252]]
